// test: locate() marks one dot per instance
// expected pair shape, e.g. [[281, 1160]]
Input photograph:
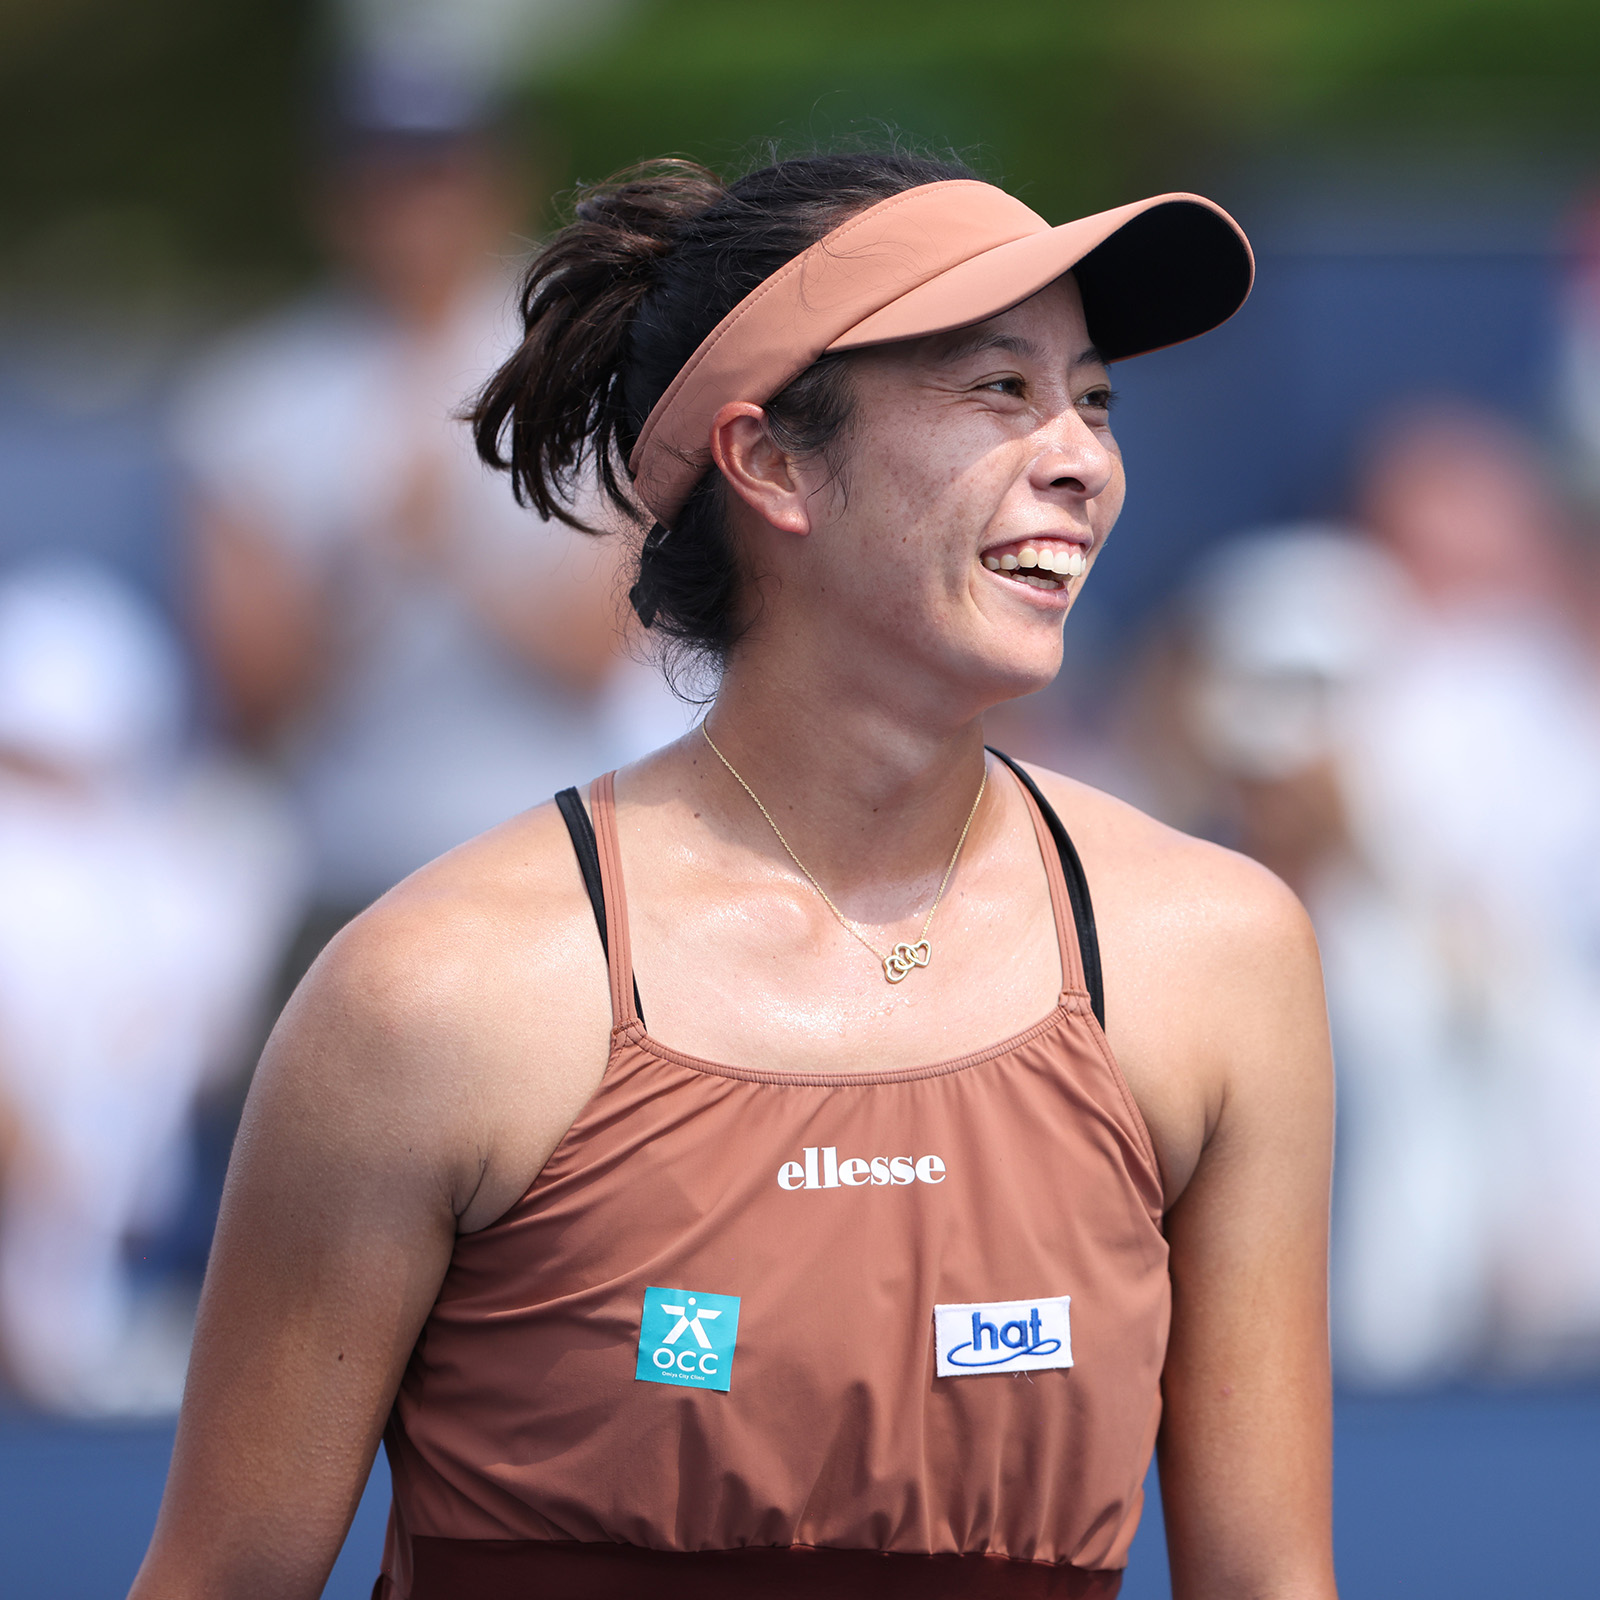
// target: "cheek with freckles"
[[920, 492]]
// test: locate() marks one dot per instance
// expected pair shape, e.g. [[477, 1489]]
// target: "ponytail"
[[612, 309], [557, 403]]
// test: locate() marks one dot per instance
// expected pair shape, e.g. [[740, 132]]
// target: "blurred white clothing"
[[1412, 1246], [138, 931], [1459, 922], [144, 902], [310, 428], [1474, 780], [1297, 630], [1479, 764]]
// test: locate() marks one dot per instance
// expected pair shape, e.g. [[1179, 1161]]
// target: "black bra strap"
[[1077, 892], [588, 854]]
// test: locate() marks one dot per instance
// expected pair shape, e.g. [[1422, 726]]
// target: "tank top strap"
[[1075, 930], [1066, 933], [619, 947]]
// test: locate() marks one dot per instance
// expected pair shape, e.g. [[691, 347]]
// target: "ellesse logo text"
[[856, 1172]]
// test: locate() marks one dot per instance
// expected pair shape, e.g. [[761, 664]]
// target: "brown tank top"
[[752, 1332]]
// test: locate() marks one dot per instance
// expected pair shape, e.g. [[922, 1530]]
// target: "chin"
[[998, 675]]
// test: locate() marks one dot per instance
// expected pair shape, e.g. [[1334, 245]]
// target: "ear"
[[756, 469]]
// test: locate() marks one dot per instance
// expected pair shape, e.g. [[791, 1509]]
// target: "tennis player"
[[825, 1158]]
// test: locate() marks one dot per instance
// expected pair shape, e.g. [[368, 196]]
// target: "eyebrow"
[[959, 345]]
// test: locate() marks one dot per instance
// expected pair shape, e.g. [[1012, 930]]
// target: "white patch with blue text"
[[1002, 1336]]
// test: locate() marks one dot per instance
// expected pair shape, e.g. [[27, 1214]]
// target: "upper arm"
[[375, 1130], [336, 1229], [1245, 1447]]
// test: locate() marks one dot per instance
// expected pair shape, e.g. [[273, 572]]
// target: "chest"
[[759, 970]]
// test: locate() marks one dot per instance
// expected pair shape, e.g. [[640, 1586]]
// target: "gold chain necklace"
[[908, 953]]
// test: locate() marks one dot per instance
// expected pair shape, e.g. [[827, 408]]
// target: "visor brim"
[[1152, 274]]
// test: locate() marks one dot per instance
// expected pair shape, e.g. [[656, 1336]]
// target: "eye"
[[1011, 385], [1101, 398]]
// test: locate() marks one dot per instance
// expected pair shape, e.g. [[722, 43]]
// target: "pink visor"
[[930, 259]]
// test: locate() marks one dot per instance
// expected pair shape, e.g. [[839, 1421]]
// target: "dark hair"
[[614, 306]]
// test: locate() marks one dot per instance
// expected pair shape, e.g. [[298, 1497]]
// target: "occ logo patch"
[[686, 1337], [1002, 1336]]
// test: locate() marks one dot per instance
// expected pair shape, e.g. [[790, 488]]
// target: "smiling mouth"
[[1038, 563]]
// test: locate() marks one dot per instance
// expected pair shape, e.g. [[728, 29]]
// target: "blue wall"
[[1259, 421]]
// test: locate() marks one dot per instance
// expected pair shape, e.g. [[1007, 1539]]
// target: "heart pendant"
[[904, 957]]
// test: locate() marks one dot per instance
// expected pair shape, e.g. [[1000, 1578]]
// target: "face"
[[980, 480], [416, 230], [1462, 504]]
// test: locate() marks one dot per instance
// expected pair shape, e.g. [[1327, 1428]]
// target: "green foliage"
[[162, 137], [149, 140], [1081, 105]]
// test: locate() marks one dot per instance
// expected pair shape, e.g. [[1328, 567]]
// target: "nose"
[[1072, 457]]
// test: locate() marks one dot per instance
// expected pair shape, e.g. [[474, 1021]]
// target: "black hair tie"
[[641, 597], [643, 608]]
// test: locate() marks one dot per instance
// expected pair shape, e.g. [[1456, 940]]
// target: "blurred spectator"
[[144, 898], [1480, 773], [1287, 636], [425, 657], [1493, 700], [1405, 728]]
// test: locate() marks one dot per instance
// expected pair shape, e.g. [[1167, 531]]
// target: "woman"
[[758, 1301]]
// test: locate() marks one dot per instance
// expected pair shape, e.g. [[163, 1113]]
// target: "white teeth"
[[1068, 561], [1034, 580]]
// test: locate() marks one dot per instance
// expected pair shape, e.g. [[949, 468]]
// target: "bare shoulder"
[[1213, 984], [1175, 891], [465, 1015]]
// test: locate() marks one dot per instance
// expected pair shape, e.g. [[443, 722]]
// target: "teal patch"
[[686, 1337]]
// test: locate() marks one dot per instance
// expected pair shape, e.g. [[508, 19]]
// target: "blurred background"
[[269, 639]]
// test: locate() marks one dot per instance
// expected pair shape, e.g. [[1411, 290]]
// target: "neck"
[[869, 797]]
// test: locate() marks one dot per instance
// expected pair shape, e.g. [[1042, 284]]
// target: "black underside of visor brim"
[[1172, 273]]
